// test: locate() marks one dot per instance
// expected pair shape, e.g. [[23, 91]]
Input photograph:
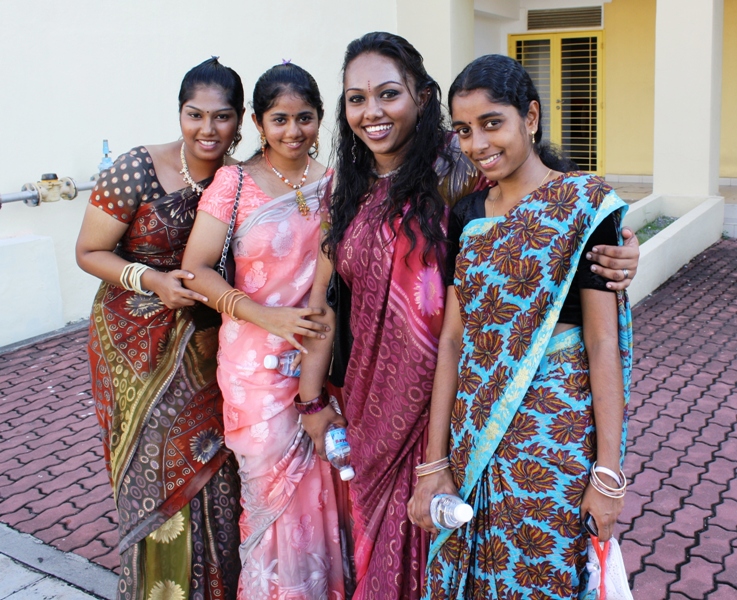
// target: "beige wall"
[[442, 30], [629, 54], [78, 71]]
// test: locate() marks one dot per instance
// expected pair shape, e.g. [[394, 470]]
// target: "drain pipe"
[[52, 189]]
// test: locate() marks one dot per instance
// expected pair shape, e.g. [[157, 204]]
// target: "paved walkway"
[[679, 527]]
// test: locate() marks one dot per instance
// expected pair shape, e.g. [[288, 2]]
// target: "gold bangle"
[[432, 467], [229, 299], [435, 470]]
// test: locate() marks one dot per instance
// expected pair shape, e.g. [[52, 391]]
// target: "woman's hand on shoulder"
[[169, 288], [617, 263], [317, 424], [288, 322], [429, 486]]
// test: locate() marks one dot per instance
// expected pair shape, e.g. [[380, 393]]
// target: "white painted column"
[[688, 83], [442, 31]]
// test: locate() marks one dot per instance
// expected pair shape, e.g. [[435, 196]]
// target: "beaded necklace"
[[387, 174], [186, 176], [304, 209]]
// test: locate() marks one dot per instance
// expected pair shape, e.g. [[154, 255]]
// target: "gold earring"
[[316, 145], [532, 136], [263, 143]]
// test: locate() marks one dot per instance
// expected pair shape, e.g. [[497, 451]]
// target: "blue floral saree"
[[522, 429]]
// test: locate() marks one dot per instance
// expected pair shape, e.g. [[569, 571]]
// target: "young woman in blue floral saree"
[[534, 358]]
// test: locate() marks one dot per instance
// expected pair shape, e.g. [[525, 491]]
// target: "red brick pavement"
[[679, 526], [53, 483]]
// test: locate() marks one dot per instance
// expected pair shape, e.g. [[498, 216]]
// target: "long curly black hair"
[[505, 81], [415, 187]]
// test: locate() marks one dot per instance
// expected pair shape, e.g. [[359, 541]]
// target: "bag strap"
[[601, 553], [231, 226]]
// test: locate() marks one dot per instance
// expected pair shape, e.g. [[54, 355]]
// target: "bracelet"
[[605, 489], [130, 278], [229, 299], [618, 478], [435, 470], [312, 406], [432, 467]]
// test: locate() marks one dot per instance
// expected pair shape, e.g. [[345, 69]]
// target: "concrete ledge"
[[730, 220], [65, 566], [29, 288], [699, 224], [66, 330]]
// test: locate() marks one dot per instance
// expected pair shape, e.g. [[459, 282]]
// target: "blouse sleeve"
[[218, 199], [605, 234], [455, 228], [119, 190]]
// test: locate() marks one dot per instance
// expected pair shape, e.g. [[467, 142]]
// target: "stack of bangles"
[[432, 467], [312, 406], [130, 278], [605, 489], [229, 299]]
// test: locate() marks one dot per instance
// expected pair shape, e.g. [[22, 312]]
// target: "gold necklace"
[[493, 202], [304, 209], [185, 174]]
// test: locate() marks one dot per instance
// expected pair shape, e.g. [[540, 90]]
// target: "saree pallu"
[[290, 543], [396, 316], [522, 434], [159, 407], [397, 305]]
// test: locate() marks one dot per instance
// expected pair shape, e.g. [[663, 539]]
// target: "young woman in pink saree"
[[289, 527], [396, 174]]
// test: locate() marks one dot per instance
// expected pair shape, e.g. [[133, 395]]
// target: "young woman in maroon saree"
[[396, 174], [152, 356]]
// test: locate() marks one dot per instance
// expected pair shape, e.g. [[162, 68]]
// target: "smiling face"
[[291, 126], [494, 136], [380, 108], [208, 124]]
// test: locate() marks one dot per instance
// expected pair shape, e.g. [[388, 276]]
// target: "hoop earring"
[[263, 144], [353, 149], [234, 143]]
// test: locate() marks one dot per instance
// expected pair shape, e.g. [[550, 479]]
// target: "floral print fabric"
[[156, 395], [522, 440], [290, 542]]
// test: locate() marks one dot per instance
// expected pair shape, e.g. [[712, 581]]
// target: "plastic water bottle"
[[449, 512], [338, 451], [283, 363]]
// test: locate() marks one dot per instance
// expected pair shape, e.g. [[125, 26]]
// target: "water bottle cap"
[[347, 473], [271, 361], [463, 513]]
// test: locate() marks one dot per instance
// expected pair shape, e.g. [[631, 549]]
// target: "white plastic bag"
[[615, 585]]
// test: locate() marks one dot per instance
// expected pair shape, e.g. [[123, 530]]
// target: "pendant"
[[304, 210]]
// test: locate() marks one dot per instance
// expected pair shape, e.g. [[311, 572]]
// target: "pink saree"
[[289, 527]]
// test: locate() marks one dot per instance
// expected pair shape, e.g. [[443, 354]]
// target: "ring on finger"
[[626, 273]]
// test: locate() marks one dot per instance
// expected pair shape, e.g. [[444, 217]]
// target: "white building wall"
[[75, 72]]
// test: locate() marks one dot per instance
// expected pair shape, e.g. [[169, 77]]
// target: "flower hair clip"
[[286, 61]]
